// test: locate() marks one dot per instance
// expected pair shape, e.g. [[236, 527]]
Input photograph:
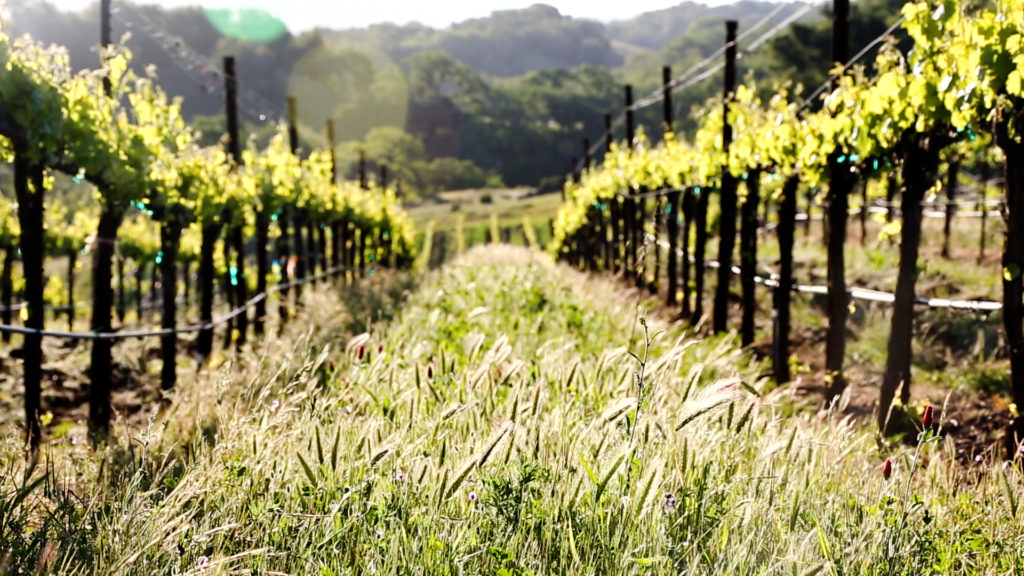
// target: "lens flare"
[[250, 24]]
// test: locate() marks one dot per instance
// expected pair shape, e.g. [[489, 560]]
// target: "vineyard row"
[[907, 128], [122, 134]]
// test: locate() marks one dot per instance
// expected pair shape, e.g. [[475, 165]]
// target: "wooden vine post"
[[209, 232], [360, 240], [891, 190], [7, 290], [298, 216], [838, 203], [672, 206], [630, 204], [285, 250], [72, 262], [984, 172], [727, 196], [383, 251], [262, 268], [952, 178], [235, 234], [688, 208], [700, 252], [864, 206], [783, 293], [748, 255], [615, 255], [170, 241], [660, 202], [336, 239]]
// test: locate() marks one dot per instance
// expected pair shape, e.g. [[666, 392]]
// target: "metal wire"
[[268, 111], [687, 79], [124, 335], [264, 109], [866, 294], [684, 81], [778, 27], [852, 61], [750, 30]]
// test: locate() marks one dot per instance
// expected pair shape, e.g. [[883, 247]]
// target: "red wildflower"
[[887, 468]]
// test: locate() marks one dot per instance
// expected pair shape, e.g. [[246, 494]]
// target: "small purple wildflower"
[[473, 497]]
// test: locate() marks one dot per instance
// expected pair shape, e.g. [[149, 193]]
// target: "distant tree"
[[454, 174], [513, 42], [656, 29]]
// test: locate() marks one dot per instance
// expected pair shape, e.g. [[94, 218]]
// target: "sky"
[[301, 15]]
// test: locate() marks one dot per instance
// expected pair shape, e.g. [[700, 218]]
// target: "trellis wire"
[[125, 335]]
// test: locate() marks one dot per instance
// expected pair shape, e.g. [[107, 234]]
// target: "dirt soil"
[[975, 420], [136, 388]]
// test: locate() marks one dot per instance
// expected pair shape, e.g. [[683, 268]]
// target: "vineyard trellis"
[[953, 103], [122, 134]]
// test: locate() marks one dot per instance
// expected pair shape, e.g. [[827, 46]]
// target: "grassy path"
[[514, 418]]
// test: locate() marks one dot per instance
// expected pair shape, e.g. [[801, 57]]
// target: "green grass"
[[873, 264], [469, 208], [511, 417], [946, 343], [459, 219]]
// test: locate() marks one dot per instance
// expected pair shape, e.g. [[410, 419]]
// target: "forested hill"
[[507, 43], [179, 44], [653, 30], [447, 107]]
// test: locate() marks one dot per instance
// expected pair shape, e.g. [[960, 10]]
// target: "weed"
[[535, 443]]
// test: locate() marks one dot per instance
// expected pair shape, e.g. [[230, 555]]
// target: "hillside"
[[182, 45], [654, 30], [478, 92], [507, 43]]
